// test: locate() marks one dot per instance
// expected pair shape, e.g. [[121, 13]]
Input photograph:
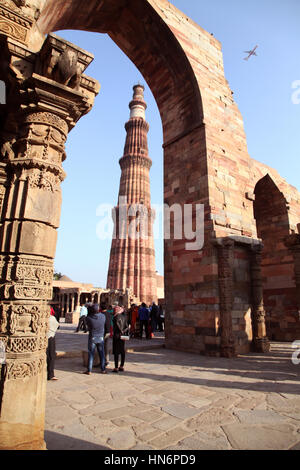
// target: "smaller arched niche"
[[273, 226], [270, 211]]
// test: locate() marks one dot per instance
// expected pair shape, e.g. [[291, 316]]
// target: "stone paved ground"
[[176, 401]]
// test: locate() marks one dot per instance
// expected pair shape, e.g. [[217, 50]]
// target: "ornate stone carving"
[[63, 62], [43, 137], [27, 292], [67, 70], [135, 160], [14, 23], [260, 340], [3, 318], [20, 3], [28, 271], [39, 112], [19, 370], [26, 278], [7, 151], [49, 119], [24, 321], [21, 345]]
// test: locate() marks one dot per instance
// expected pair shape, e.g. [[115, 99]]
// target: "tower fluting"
[[132, 256]]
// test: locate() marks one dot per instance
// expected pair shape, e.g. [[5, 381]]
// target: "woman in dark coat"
[[120, 327]]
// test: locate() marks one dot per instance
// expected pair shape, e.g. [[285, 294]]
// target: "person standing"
[[82, 319], [107, 314], [144, 315], [133, 319], [110, 310], [96, 326], [161, 318], [51, 349], [154, 317], [120, 328]]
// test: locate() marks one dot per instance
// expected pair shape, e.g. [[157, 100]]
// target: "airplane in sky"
[[250, 53]]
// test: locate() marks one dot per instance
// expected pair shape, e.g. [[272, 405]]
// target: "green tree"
[[57, 276]]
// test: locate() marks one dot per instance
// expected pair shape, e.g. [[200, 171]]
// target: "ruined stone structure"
[[132, 256], [240, 289], [68, 296]]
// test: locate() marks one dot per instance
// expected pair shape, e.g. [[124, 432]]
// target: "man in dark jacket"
[[143, 316], [107, 341], [96, 326], [154, 317]]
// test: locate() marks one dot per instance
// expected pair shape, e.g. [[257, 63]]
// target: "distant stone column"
[[225, 248], [41, 109], [76, 301], [260, 341]]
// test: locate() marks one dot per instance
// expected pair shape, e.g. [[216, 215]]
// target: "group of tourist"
[[114, 322], [104, 323]]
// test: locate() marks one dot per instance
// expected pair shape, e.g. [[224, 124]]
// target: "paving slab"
[[259, 416], [173, 400], [180, 410], [200, 441], [243, 437]]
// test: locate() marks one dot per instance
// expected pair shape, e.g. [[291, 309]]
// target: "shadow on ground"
[[56, 441], [263, 373]]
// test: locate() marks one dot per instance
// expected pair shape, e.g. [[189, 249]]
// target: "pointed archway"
[[273, 226], [148, 33], [137, 28], [47, 96]]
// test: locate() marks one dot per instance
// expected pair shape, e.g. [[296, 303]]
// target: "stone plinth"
[[72, 317]]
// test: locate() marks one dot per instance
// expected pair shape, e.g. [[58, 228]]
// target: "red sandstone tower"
[[132, 256]]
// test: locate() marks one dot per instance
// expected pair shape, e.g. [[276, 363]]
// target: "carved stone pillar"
[[42, 108], [293, 243], [76, 301], [225, 271], [260, 341], [72, 302]]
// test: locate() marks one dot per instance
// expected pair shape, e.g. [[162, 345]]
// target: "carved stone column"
[[260, 341], [225, 248], [293, 243], [42, 108]]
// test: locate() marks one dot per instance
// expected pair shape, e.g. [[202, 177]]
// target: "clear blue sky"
[[262, 89]]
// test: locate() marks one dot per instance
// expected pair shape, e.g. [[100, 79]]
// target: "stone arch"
[[271, 213], [161, 60], [176, 58], [149, 34]]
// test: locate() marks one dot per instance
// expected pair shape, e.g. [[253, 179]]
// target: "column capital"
[[50, 80], [224, 242]]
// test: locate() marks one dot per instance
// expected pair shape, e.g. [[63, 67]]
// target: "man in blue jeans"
[[144, 315], [96, 326]]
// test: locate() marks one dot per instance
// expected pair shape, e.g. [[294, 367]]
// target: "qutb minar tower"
[[132, 256]]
